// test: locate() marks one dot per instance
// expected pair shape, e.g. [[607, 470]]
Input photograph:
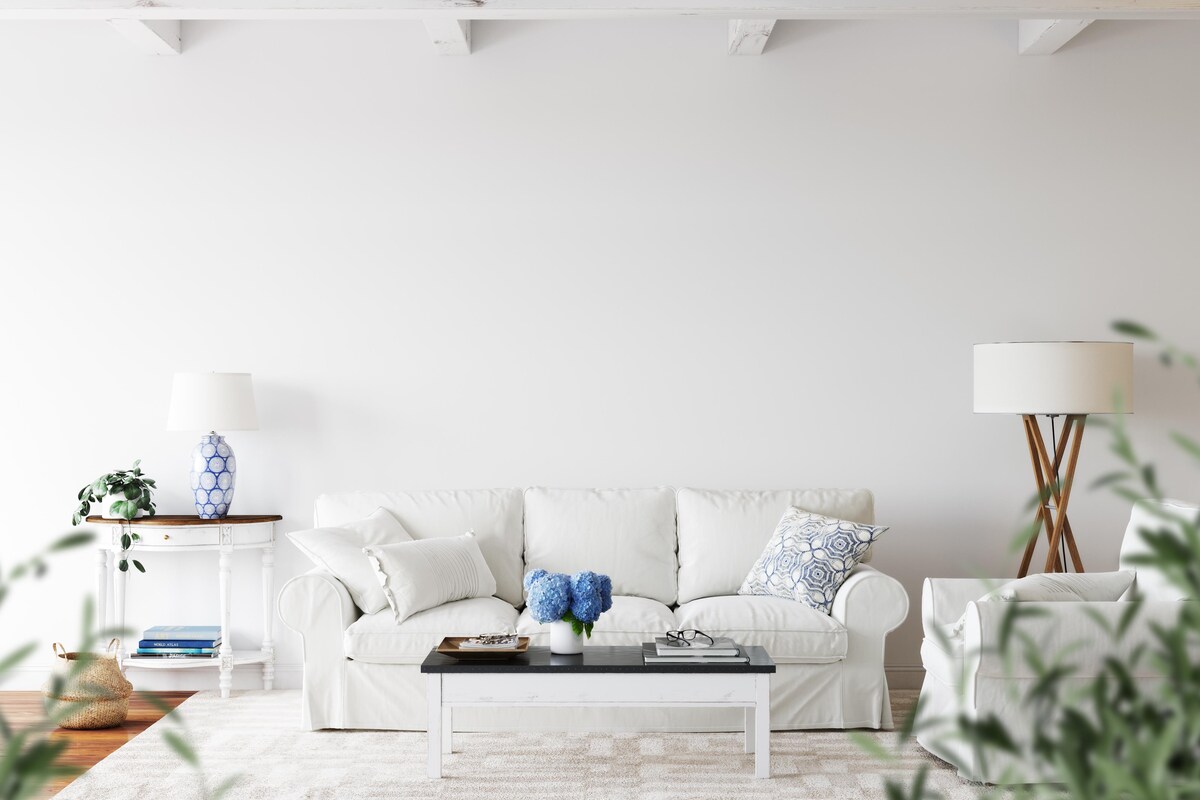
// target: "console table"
[[190, 534], [600, 676]]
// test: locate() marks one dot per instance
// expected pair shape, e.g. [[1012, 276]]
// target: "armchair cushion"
[[1058, 588]]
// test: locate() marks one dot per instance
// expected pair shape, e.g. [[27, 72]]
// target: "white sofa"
[[676, 559], [967, 674]]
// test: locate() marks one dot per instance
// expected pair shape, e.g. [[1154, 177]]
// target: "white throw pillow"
[[1057, 587], [809, 557], [430, 572], [340, 550]]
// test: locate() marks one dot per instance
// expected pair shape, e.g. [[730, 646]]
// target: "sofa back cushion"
[[494, 515], [722, 533], [627, 534]]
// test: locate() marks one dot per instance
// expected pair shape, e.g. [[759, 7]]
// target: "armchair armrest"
[[870, 601], [1083, 633], [943, 600]]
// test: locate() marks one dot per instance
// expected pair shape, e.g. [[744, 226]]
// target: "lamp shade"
[[212, 401], [1054, 378]]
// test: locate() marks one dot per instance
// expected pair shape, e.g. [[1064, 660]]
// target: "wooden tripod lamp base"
[[1054, 493], [1067, 380]]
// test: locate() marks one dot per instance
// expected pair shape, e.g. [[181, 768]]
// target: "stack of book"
[[179, 641], [723, 650]]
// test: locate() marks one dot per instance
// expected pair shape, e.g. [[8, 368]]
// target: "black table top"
[[594, 659]]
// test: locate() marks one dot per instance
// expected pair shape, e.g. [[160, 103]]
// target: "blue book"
[[190, 633], [157, 643], [187, 651]]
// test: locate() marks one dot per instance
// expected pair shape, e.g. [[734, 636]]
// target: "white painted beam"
[[594, 9], [155, 37], [451, 37], [1041, 37], [748, 37]]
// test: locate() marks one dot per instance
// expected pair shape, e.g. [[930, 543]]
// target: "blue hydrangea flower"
[[586, 601], [549, 595], [605, 592], [533, 576]]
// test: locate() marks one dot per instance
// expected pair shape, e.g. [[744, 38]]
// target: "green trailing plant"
[[1114, 738], [134, 492]]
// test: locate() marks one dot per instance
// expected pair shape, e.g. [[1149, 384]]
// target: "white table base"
[[751, 691]]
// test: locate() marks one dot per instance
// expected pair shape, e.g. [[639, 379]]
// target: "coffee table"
[[601, 676]]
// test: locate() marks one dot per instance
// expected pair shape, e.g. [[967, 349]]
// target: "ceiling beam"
[[748, 37], [154, 37], [595, 9], [451, 37], [1041, 37]]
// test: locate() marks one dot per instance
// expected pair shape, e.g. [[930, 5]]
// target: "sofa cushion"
[[627, 534], [340, 550], [809, 557], [791, 632], [494, 515], [722, 533], [377, 639], [630, 621], [417, 576]]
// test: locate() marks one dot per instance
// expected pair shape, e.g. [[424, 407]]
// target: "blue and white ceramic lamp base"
[[213, 474]]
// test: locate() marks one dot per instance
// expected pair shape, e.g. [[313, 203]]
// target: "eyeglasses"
[[687, 637]]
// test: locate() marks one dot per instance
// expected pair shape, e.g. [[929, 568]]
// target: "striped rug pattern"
[[256, 735]]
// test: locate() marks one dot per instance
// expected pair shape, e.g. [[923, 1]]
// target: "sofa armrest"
[[315, 603], [1083, 634], [870, 601], [943, 600], [317, 606]]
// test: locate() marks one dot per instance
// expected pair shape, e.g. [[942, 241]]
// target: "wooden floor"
[[23, 709]]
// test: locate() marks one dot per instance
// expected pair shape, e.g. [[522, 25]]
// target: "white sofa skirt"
[[803, 696], [340, 692]]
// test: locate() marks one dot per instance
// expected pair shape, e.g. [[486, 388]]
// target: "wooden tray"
[[450, 647]]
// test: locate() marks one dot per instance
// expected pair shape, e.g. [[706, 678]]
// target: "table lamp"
[[212, 401], [1070, 379]]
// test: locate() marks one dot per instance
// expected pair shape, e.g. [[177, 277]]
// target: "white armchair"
[[966, 674]]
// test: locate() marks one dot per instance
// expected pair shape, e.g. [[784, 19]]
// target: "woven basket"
[[88, 690]]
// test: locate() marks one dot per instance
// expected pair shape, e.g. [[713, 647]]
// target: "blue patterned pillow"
[[809, 557]]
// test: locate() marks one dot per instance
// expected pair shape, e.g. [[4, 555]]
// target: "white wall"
[[590, 254]]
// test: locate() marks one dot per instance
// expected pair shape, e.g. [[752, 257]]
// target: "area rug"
[[257, 736]]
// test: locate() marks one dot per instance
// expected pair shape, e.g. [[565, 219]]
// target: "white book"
[[721, 646]]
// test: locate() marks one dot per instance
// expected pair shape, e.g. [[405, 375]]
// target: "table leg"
[[433, 694], [101, 590], [749, 729], [762, 726], [226, 652], [119, 579], [268, 595], [447, 729]]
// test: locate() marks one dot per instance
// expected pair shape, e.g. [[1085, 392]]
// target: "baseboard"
[[905, 677]]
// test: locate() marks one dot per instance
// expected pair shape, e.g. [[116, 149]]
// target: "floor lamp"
[[1054, 379]]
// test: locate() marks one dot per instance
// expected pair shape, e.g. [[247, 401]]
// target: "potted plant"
[[570, 604], [124, 494]]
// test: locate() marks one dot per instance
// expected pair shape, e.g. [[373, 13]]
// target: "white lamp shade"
[[212, 401], [1054, 378]]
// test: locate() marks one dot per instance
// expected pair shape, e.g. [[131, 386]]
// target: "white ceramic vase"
[[563, 640]]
